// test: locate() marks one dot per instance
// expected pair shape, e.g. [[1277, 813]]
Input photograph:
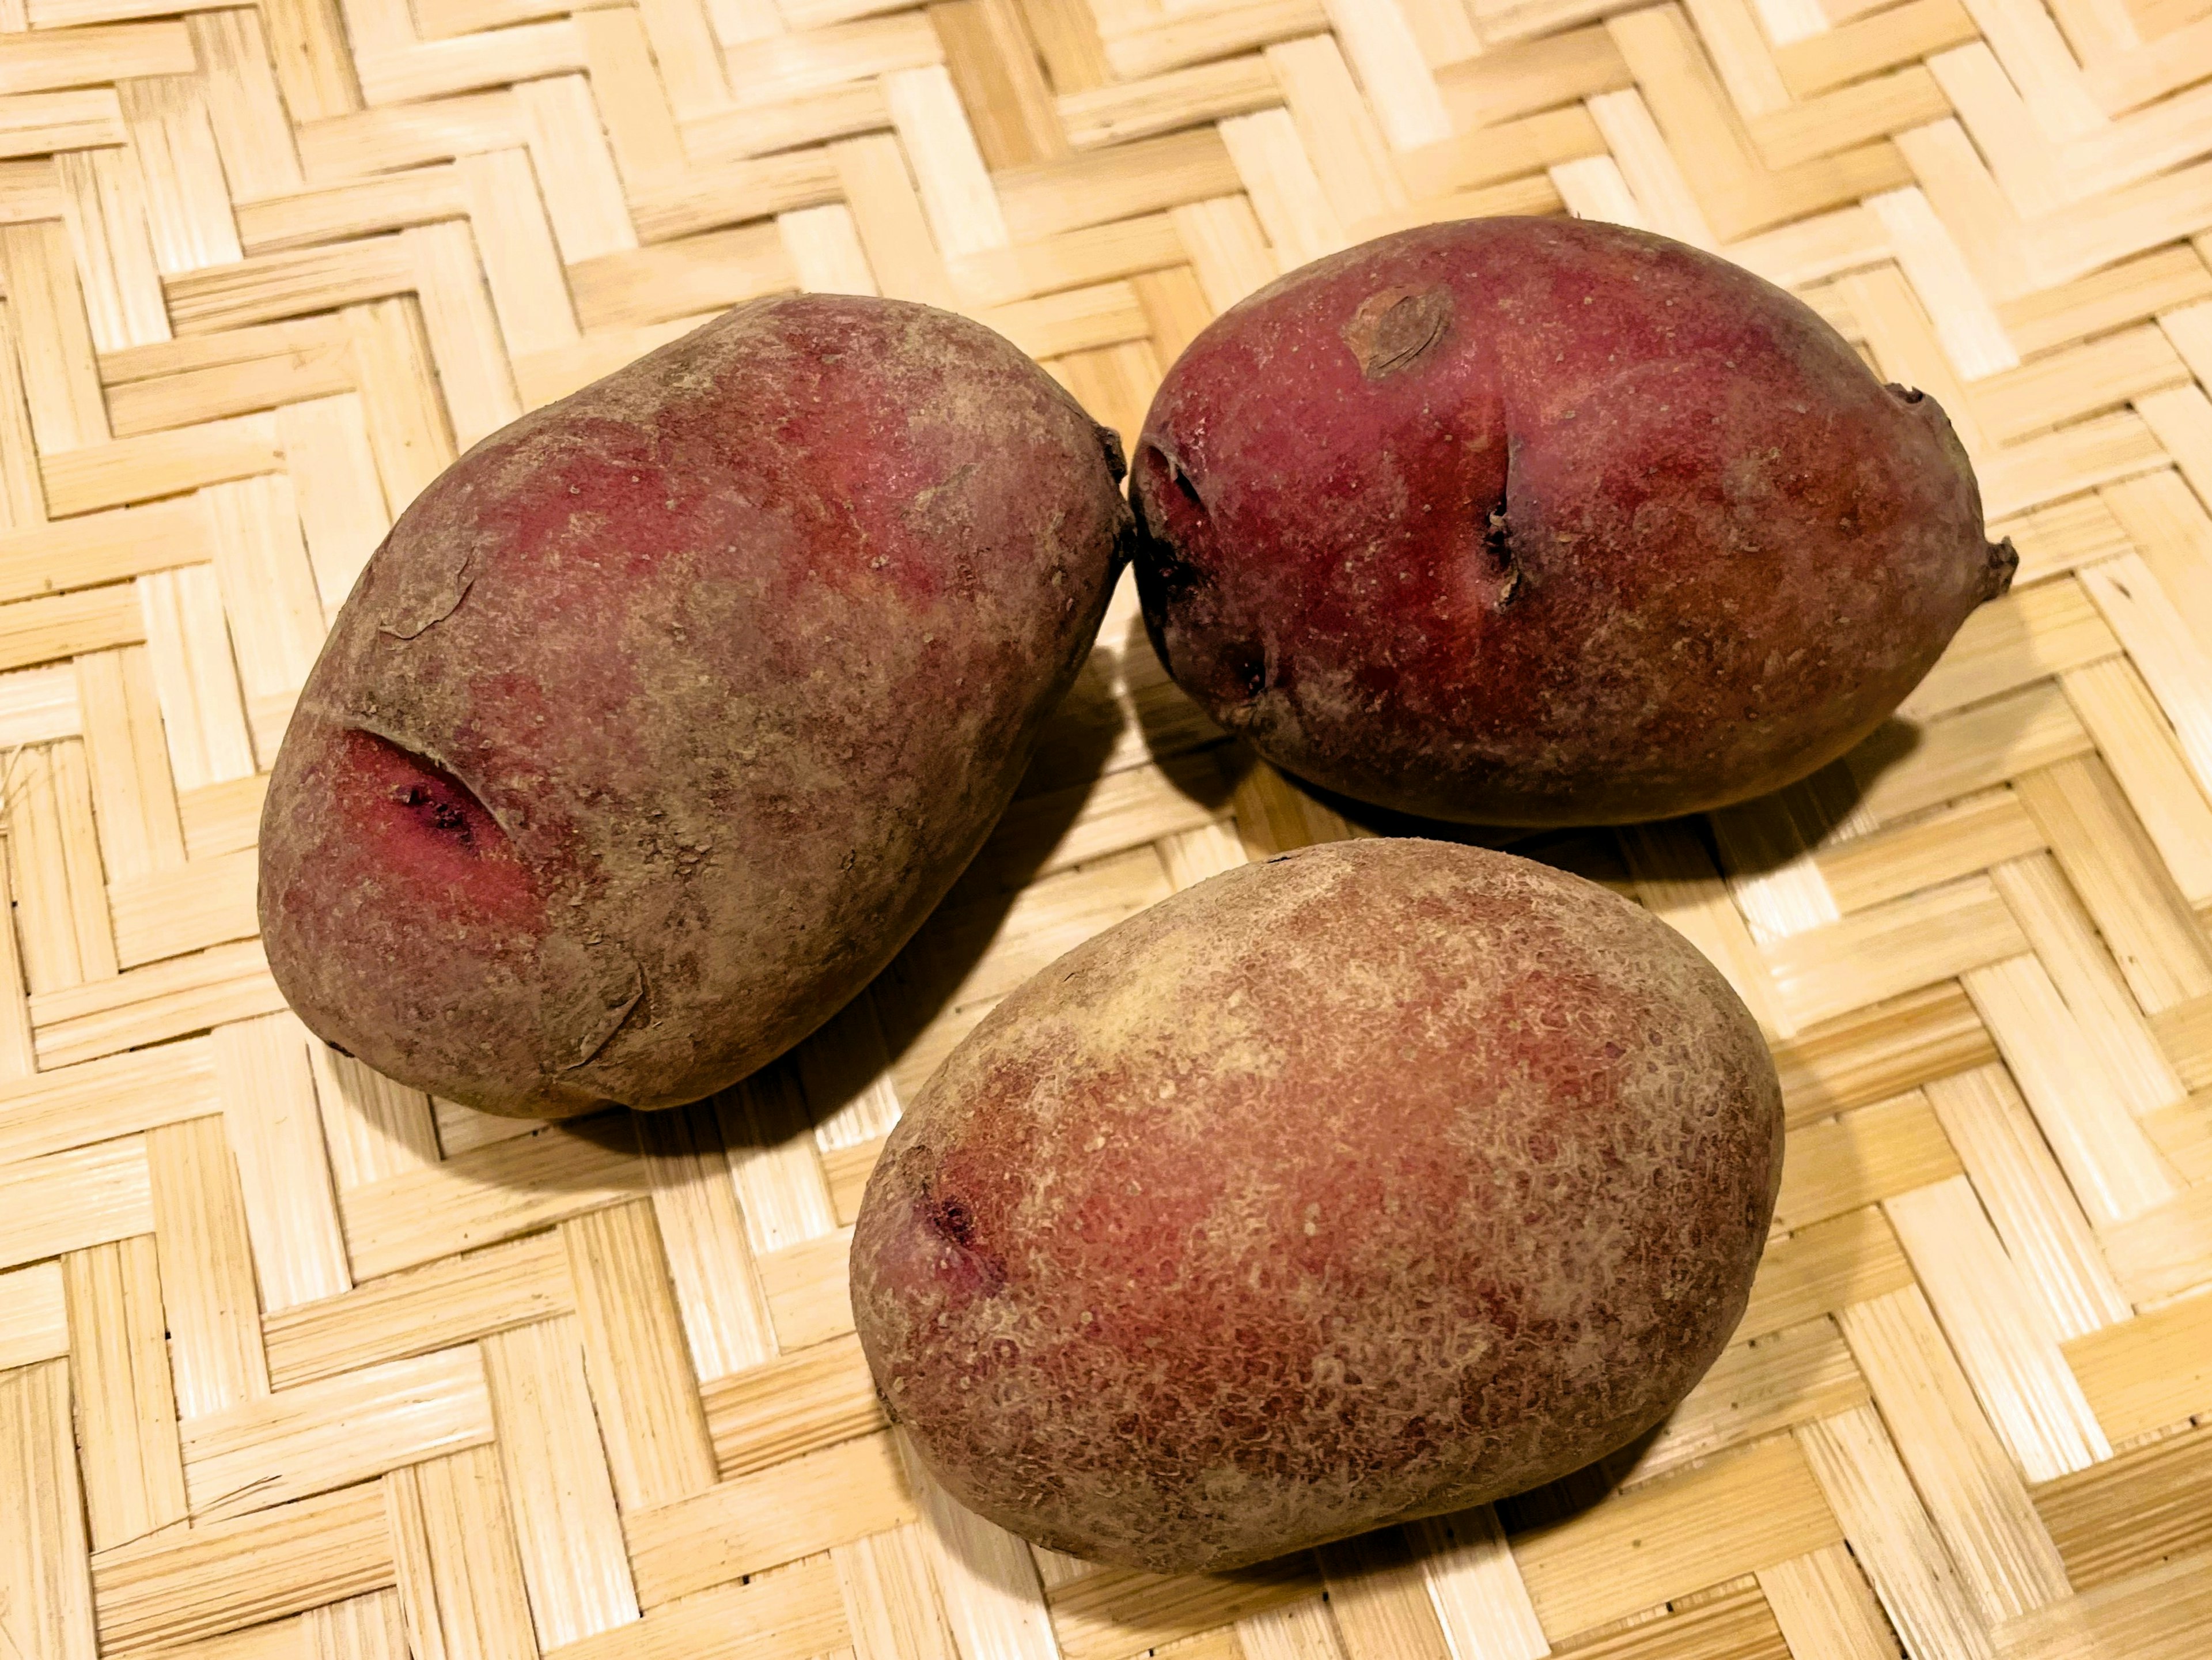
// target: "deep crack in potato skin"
[[1377, 1180], [1533, 521], [663, 717]]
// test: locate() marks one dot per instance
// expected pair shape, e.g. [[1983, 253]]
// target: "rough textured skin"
[[1375, 1181], [664, 716], [1534, 521]]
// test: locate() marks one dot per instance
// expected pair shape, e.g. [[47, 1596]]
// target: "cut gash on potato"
[[664, 716], [1375, 1181]]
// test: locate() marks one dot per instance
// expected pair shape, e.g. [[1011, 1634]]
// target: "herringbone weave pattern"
[[297, 1365]]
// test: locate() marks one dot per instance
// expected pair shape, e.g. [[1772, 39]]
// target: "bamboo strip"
[[104, 206], [1121, 1612], [188, 202], [1824, 1269], [2144, 918], [133, 798], [1766, 849], [462, 329], [575, 1564], [702, 1232], [134, 1474], [658, 1444], [2007, 1347], [823, 247], [2110, 1162], [807, 1291], [1899, 947], [1379, 1600], [1861, 1158], [271, 1118], [319, 1436], [767, 1127], [891, 1604], [2150, 1372], [2066, 944], [18, 1047], [42, 1551], [151, 1005], [373, 1128], [208, 901], [74, 1201], [1476, 1587], [206, 1263], [1740, 1512], [815, 1398], [1301, 1630], [269, 595], [225, 818], [53, 338], [2133, 1511], [245, 107], [370, 1627], [993, 1599], [33, 1316], [1825, 1608], [2036, 1214], [457, 1299], [333, 465], [802, 1507], [2158, 1615], [188, 644], [461, 1589], [1865, 870], [1889, 1532], [1881, 1051], [102, 548], [792, 1613], [2160, 1253], [1754, 1389], [407, 431], [53, 856], [544, 1175], [229, 1575], [1974, 1497], [567, 143]]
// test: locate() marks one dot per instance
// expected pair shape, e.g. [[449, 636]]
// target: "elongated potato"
[[662, 718], [1543, 522], [1375, 1181]]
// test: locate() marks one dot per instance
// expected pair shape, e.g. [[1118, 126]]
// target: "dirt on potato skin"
[[1532, 521], [1378, 1180], [663, 718]]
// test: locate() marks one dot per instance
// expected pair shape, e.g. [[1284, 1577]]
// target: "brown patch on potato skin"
[[665, 715], [1535, 521], [1378, 1180]]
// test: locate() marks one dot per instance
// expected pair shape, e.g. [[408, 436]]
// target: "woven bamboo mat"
[[297, 1365]]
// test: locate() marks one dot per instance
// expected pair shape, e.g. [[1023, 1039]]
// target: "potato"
[[1532, 521], [1374, 1180], [665, 715]]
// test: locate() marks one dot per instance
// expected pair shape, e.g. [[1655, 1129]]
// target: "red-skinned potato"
[[1533, 521], [665, 715], [1375, 1181]]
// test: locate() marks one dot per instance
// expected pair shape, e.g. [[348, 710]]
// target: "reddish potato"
[[1374, 1180], [663, 718], [1532, 521]]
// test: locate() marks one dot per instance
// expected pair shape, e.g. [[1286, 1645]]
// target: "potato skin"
[[663, 717], [1377, 1180], [1531, 521]]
